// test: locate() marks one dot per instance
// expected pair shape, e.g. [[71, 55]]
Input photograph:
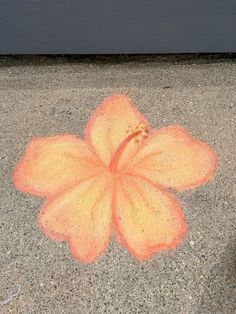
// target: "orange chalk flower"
[[117, 178]]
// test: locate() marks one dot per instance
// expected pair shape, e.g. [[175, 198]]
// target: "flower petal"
[[81, 216], [54, 163], [147, 218], [173, 158], [110, 124]]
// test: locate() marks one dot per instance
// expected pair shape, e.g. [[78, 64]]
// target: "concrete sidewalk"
[[43, 96]]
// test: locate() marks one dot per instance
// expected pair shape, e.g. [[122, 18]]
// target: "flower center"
[[138, 133]]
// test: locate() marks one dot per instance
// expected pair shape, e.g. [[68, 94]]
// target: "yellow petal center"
[[138, 133]]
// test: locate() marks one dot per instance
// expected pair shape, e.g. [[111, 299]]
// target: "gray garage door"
[[117, 26]]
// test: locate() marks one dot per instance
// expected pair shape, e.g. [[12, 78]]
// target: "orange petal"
[[146, 218], [54, 163], [173, 158], [81, 216], [111, 123]]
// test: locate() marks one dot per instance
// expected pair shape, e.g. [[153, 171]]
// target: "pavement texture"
[[43, 96]]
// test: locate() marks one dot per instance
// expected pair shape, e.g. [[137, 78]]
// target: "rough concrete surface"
[[43, 96]]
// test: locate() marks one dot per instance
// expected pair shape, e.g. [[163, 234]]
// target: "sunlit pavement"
[[43, 96]]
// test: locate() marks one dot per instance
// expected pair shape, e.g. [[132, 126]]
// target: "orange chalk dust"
[[116, 179]]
